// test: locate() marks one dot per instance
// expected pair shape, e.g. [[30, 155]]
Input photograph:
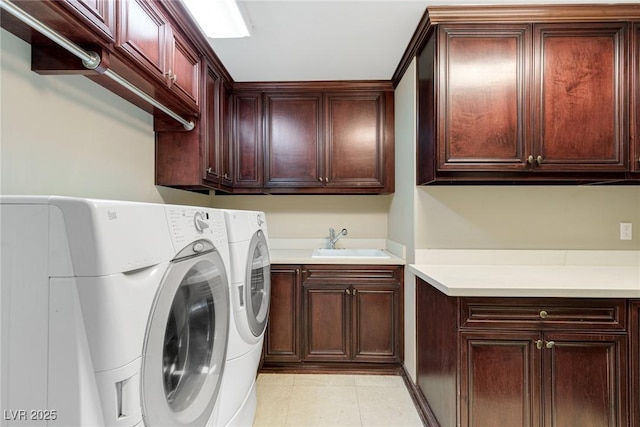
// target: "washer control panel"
[[187, 225]]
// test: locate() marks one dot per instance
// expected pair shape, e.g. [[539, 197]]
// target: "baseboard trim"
[[424, 411]]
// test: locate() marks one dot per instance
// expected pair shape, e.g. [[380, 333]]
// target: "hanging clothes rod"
[[90, 60]]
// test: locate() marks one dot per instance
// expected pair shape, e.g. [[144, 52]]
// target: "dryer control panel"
[[190, 224]]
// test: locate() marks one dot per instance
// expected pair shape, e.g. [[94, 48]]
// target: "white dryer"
[[250, 292], [113, 313]]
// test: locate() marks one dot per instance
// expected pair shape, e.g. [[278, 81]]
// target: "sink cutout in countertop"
[[349, 253]]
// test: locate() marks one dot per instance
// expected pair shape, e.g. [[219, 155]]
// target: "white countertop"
[[299, 251], [583, 274]]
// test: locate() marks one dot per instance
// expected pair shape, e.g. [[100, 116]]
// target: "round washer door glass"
[[258, 281], [186, 343]]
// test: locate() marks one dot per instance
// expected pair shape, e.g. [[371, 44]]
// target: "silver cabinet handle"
[[539, 344], [543, 314], [550, 344], [209, 170], [348, 291], [539, 160], [320, 178]]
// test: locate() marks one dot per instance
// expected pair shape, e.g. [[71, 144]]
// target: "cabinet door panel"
[[184, 68], [375, 324], [142, 34], [282, 342], [355, 140], [211, 116], [101, 14], [484, 93], [499, 379], [585, 380], [327, 325], [579, 79], [247, 140], [293, 157]]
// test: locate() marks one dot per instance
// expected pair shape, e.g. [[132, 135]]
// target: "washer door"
[[257, 291], [186, 343]]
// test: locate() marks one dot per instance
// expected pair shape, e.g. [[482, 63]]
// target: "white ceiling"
[[304, 40]]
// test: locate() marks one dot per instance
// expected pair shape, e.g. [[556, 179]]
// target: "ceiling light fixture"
[[218, 18]]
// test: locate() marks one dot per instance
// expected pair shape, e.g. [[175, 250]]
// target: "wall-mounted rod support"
[[90, 60]]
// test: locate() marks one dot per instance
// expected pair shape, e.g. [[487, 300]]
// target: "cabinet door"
[[217, 168], [483, 95], [581, 94], [142, 34], [282, 342], [293, 155], [224, 131], [499, 379], [99, 13], [375, 324], [634, 344], [212, 138], [183, 67], [355, 140], [246, 140], [635, 97], [326, 322], [585, 380]]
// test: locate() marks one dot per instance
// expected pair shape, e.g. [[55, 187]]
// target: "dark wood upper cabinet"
[[483, 94], [147, 36], [542, 97], [293, 155], [355, 135], [319, 137], [581, 94], [217, 162], [247, 141], [200, 159], [98, 14]]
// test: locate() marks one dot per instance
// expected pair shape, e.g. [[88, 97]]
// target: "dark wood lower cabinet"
[[283, 329], [525, 361], [321, 314]]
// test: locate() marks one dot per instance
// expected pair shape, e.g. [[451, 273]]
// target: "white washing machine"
[[250, 293], [113, 313]]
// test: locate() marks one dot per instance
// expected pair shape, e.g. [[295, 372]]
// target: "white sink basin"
[[349, 253]]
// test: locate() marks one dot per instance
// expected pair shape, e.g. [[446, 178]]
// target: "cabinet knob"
[[531, 160], [543, 314], [226, 176], [209, 170], [326, 179], [348, 291], [539, 344], [320, 178], [550, 344]]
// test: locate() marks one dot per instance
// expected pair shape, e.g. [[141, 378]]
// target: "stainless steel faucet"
[[333, 238]]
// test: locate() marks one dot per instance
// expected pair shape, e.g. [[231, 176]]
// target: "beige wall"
[[365, 217], [66, 135], [523, 217], [402, 216]]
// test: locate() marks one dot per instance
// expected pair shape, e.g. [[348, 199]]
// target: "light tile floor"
[[334, 400]]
